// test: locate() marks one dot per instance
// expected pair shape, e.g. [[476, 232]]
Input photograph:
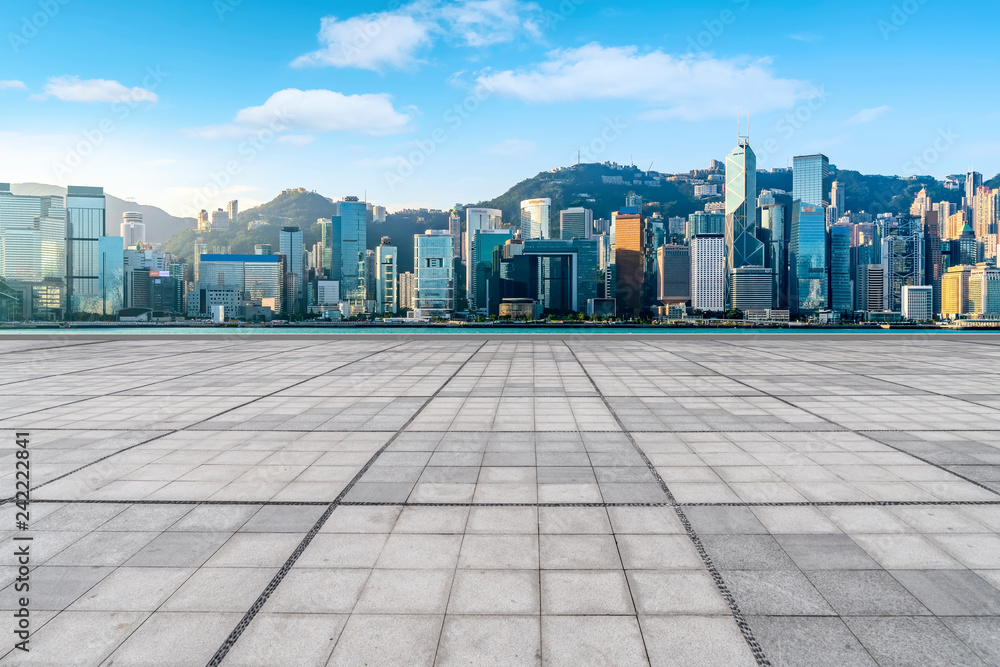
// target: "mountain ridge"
[[160, 225]]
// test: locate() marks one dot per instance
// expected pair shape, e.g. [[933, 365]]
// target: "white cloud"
[[394, 39], [12, 85], [297, 139], [806, 37], [294, 114], [369, 41], [75, 89], [688, 87], [484, 22], [868, 115], [511, 148], [327, 111]]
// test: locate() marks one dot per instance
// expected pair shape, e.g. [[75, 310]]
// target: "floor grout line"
[[720, 584], [237, 632], [389, 503]]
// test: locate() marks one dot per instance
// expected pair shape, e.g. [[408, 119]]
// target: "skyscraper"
[[220, 221], [708, 272], [674, 268], [483, 296], [386, 258], [629, 252], [434, 279], [955, 291], [871, 288], [751, 288], [233, 210], [944, 210], [973, 181], [405, 291], [33, 253], [132, 229], [811, 180], [349, 232], [241, 284], [774, 231], [85, 225], [536, 219], [110, 277], [808, 262], [838, 196], [841, 294], [918, 303], [290, 245], [903, 258], [576, 223], [701, 222], [933, 259], [476, 219], [742, 246]]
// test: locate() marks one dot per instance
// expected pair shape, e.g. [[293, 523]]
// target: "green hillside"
[[583, 185], [580, 185]]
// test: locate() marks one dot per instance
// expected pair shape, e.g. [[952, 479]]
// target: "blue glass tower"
[[345, 238], [807, 260], [811, 179], [841, 295]]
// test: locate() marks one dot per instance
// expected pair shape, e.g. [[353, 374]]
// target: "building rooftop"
[[267, 259]]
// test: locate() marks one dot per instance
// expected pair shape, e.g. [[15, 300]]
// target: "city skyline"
[[165, 128]]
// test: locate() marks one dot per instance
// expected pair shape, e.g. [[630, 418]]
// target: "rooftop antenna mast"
[[743, 139]]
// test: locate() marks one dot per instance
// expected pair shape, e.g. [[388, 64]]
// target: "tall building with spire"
[[743, 248]]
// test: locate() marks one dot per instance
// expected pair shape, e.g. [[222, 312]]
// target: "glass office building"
[[475, 220], [434, 266], [33, 252], [85, 225], [702, 223], [743, 248], [482, 294], [563, 275], [807, 260], [110, 276], [774, 232], [576, 223], [345, 237], [536, 220], [290, 245], [841, 294], [386, 258], [811, 179], [240, 280]]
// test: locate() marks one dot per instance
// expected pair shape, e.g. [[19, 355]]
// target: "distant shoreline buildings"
[[762, 254]]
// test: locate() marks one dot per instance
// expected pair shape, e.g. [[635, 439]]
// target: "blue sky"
[[189, 103]]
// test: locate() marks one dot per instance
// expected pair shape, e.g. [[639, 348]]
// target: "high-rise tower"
[[742, 246]]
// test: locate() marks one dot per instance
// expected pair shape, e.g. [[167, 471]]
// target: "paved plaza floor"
[[721, 500]]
